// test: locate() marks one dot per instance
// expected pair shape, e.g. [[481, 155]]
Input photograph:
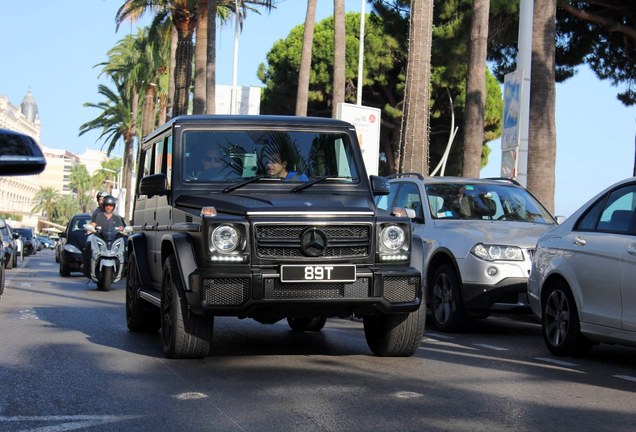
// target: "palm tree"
[[45, 200], [183, 14], [339, 67], [542, 130], [414, 134], [476, 89], [305, 59], [80, 182], [200, 57], [116, 123], [65, 208]]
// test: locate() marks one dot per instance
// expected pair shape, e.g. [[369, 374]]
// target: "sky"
[[52, 47]]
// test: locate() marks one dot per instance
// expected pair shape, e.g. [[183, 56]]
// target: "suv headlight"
[[225, 238], [227, 243], [497, 252], [393, 242]]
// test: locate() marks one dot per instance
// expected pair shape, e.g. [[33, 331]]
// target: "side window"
[[613, 213], [409, 197], [147, 160], [169, 160], [158, 145]]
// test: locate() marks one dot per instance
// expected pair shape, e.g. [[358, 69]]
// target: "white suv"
[[479, 236]]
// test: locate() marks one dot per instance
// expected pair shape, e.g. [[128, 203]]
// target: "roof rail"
[[403, 175], [506, 179]]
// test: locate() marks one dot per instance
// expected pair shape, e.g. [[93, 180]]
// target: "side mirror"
[[90, 228], [19, 154], [155, 184], [380, 185]]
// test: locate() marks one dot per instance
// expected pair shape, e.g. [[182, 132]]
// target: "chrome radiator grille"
[[284, 241]]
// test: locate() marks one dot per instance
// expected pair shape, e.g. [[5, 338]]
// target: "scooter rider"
[[107, 220], [100, 204]]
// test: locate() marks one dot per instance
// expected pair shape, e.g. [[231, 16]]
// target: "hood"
[[522, 234], [78, 238], [284, 202]]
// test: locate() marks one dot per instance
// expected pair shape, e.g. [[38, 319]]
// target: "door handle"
[[631, 249], [579, 241]]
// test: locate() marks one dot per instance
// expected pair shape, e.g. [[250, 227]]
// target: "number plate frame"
[[328, 273]]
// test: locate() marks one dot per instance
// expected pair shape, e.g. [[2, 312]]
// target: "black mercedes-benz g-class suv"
[[233, 240]]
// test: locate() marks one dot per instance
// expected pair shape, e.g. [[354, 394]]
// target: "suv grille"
[[359, 289], [284, 241]]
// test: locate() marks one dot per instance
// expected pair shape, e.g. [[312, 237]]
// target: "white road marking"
[[491, 347], [67, 423], [190, 396], [439, 336], [555, 361], [28, 314], [625, 377], [407, 395]]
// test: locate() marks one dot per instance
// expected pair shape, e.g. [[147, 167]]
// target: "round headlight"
[[392, 237], [225, 238]]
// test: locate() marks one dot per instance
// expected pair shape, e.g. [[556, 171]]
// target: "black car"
[[9, 245], [72, 242], [28, 239]]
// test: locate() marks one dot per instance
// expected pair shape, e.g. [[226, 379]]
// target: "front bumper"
[[260, 293], [72, 260]]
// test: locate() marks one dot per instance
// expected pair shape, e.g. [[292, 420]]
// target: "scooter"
[[108, 252]]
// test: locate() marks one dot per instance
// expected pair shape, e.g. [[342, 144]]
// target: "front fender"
[[137, 245], [181, 245]]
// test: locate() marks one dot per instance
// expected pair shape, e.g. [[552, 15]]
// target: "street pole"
[[361, 53]]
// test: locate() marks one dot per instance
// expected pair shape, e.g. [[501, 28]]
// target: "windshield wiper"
[[317, 180], [243, 183]]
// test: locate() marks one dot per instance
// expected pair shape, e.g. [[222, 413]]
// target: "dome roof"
[[29, 108]]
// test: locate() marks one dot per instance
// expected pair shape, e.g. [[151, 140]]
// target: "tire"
[[1, 279], [447, 309], [183, 334], [64, 271], [140, 316], [306, 324], [560, 322], [397, 335], [11, 262], [106, 279]]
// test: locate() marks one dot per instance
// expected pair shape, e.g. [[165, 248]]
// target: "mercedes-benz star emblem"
[[313, 242]]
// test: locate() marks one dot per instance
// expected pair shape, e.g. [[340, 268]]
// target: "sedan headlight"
[[497, 252], [72, 249]]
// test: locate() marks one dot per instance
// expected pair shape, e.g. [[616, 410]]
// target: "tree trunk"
[[542, 131], [476, 89], [305, 59], [200, 58], [127, 164], [174, 39], [339, 34], [414, 135], [148, 110], [211, 56], [182, 74]]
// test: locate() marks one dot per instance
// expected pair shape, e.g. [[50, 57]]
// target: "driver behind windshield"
[[277, 165]]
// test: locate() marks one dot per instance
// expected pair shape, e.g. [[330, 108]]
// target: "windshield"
[[295, 156], [485, 201]]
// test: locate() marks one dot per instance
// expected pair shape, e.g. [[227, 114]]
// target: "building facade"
[[17, 193]]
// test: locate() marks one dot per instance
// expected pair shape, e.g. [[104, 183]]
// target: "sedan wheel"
[[560, 323]]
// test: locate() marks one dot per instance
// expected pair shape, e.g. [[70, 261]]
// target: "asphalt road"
[[68, 362]]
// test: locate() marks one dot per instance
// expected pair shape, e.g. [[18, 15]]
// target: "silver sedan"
[[583, 279]]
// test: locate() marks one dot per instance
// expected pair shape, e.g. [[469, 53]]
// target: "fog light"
[[492, 271]]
